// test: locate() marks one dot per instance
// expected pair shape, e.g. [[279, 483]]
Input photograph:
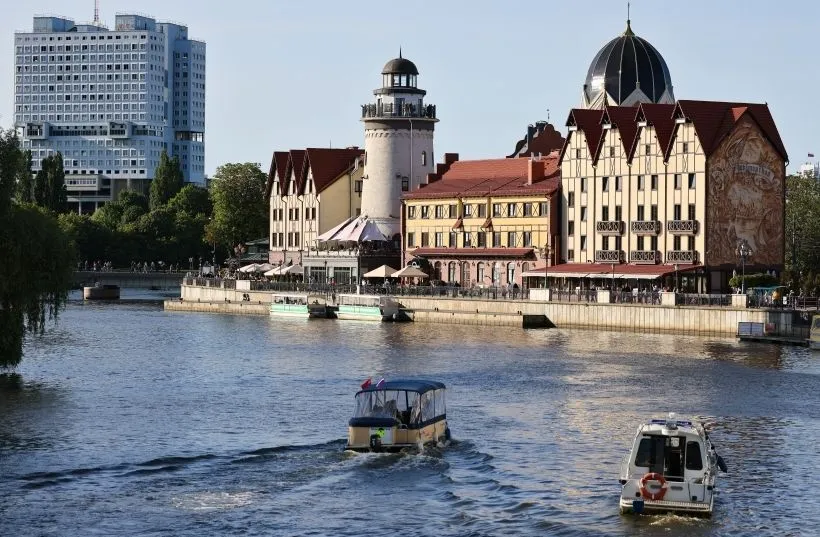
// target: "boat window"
[[441, 407], [644, 456], [693, 458], [428, 406], [651, 453], [380, 404]]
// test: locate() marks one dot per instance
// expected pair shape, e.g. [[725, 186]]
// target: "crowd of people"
[[136, 266]]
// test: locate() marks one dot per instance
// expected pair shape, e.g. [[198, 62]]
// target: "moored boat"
[[399, 414], [814, 333], [101, 292], [298, 305], [673, 467], [366, 307]]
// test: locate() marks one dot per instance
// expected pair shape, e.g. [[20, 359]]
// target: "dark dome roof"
[[625, 64], [400, 66]]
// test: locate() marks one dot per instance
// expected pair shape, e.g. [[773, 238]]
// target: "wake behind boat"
[[672, 467]]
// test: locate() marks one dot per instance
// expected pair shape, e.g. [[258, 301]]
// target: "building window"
[[677, 181], [604, 184], [605, 243], [439, 211], [425, 211], [571, 227], [640, 213], [453, 211], [425, 239], [424, 158], [543, 208], [405, 185], [583, 184], [654, 184], [528, 209], [511, 239], [583, 242], [641, 242], [691, 211], [570, 198], [653, 212], [482, 210], [677, 212], [676, 243], [511, 210], [605, 213], [691, 180], [468, 239], [411, 240], [653, 241], [453, 239], [618, 213], [526, 237], [497, 239], [617, 184], [570, 255], [496, 209], [583, 214], [479, 273], [439, 239], [618, 242], [411, 211], [468, 210], [511, 272], [577, 153], [482, 239], [685, 147], [640, 182], [646, 149]]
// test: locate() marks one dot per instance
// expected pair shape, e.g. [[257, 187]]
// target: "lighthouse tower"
[[398, 144]]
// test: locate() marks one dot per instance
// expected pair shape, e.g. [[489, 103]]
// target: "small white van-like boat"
[[672, 467], [298, 305], [367, 307]]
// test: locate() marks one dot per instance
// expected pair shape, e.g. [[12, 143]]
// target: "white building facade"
[[110, 101]]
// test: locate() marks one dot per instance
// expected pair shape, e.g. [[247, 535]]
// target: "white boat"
[[814, 333], [673, 467], [367, 307], [298, 305]]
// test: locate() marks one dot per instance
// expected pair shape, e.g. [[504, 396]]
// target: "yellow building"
[[484, 222], [310, 191], [676, 186]]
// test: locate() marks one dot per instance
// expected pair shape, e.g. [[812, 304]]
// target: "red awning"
[[459, 223]]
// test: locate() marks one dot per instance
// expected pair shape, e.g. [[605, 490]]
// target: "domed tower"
[[398, 144], [627, 71]]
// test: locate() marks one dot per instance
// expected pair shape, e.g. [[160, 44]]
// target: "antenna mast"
[[97, 12]]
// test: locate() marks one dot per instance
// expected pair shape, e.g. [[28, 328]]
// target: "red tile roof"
[[278, 166], [714, 120], [524, 253], [297, 165], [662, 118], [623, 118], [497, 177], [328, 164], [588, 122]]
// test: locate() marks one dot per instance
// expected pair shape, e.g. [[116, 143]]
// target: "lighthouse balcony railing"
[[389, 110]]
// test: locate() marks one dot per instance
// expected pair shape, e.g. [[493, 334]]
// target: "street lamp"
[[239, 250], [677, 285], [744, 251], [613, 276], [191, 263]]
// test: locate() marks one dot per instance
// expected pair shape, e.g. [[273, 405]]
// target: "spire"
[[628, 32], [399, 51]]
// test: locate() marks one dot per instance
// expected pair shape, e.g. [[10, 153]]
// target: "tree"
[[36, 261], [240, 213], [167, 181], [802, 229], [90, 238], [192, 200], [49, 184], [25, 183]]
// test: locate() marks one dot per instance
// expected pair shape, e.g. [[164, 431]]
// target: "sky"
[[289, 74]]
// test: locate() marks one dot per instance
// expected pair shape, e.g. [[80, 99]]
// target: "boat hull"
[[643, 506], [364, 313], [393, 439], [302, 312], [107, 292]]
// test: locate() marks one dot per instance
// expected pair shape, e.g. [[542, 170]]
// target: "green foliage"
[[25, 182], [802, 228], [240, 211], [49, 184], [753, 280], [86, 234], [36, 260], [191, 200], [167, 181]]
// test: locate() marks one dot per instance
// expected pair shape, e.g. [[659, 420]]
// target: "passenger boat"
[[672, 467], [399, 414], [298, 305], [814, 333], [101, 292], [367, 307]]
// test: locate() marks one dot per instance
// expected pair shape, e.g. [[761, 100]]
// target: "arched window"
[[437, 270], [424, 158], [465, 274], [496, 274], [511, 272], [479, 273], [452, 273]]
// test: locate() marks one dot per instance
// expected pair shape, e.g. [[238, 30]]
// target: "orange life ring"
[[652, 476]]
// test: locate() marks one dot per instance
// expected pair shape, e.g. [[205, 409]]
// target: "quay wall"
[[692, 320], [234, 308], [135, 280]]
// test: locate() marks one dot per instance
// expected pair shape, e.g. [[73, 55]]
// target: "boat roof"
[[669, 425], [410, 385]]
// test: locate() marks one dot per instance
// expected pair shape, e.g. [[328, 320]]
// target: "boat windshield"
[[669, 455], [406, 406]]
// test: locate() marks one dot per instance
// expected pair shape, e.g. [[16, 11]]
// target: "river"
[[124, 419]]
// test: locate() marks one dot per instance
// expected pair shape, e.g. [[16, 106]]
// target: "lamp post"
[[744, 251], [239, 250], [676, 278], [613, 277], [191, 263]]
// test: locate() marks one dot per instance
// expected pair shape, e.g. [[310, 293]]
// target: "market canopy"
[[383, 271], [409, 272]]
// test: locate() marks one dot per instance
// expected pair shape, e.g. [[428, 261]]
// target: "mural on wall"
[[745, 199]]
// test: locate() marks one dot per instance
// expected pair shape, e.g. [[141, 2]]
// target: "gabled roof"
[[327, 164], [589, 122], [500, 177], [661, 117], [714, 120], [278, 165], [296, 166], [623, 118]]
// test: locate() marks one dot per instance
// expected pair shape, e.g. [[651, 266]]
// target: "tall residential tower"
[[110, 101]]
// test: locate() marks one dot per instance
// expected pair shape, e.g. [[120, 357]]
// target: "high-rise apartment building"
[[110, 101]]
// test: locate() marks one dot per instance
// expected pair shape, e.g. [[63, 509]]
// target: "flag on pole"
[[380, 383], [811, 155], [366, 384]]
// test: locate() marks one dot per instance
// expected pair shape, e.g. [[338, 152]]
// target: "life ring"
[[654, 496]]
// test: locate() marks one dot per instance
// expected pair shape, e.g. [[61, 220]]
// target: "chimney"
[[449, 158], [530, 134], [539, 126], [535, 170]]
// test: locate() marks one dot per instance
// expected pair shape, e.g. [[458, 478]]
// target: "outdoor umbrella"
[[264, 267], [276, 271], [248, 268], [409, 272], [296, 270], [383, 271]]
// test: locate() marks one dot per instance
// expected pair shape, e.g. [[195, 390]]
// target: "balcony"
[[644, 257], [389, 111], [682, 227], [645, 227], [609, 256], [75, 183], [609, 227], [682, 256]]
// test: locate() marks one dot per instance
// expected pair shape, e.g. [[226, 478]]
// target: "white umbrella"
[[383, 271], [276, 271], [293, 269], [409, 272], [248, 268], [264, 267]]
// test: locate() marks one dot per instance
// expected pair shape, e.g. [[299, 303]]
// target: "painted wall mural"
[[745, 199]]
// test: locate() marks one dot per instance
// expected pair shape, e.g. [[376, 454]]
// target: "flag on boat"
[[380, 383], [811, 155], [367, 383]]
